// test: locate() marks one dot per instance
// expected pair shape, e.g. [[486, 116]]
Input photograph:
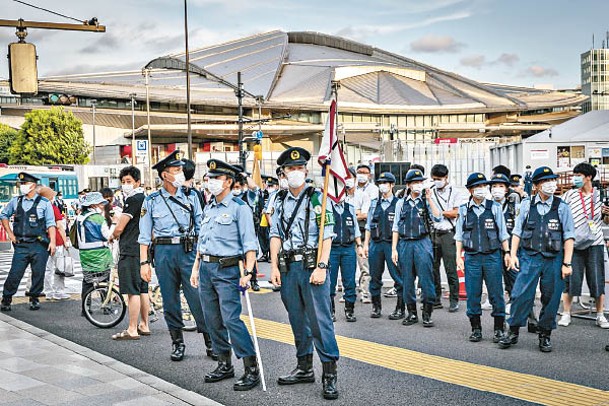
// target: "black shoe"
[[376, 307], [333, 310], [178, 346], [438, 305], [498, 335], [545, 345], [34, 303], [454, 307], [498, 329], [532, 327], [509, 339], [398, 313], [412, 317], [349, 316], [224, 370], [303, 373], [427, 321], [208, 349], [255, 286], [251, 376], [476, 335], [276, 288], [5, 305], [607, 348], [328, 380]]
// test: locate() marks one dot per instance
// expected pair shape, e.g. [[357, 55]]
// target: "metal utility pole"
[[132, 95], [146, 73], [188, 119], [21, 24], [239, 93], [93, 103]]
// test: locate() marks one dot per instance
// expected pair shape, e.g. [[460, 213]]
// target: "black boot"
[[251, 375], [254, 282], [427, 321], [333, 310], [328, 380], [376, 307], [412, 317], [224, 370], [476, 335], [510, 339], [349, 312], [178, 346], [545, 345], [303, 373], [532, 326], [398, 313], [208, 350], [34, 303], [498, 330], [6, 304]]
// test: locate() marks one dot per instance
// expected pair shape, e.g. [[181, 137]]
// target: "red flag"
[[331, 154]]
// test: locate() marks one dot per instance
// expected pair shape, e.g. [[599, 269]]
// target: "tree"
[[7, 136], [50, 137]]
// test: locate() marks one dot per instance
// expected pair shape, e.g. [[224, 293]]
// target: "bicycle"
[[103, 305]]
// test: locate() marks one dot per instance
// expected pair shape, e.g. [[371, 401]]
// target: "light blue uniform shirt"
[[227, 229], [44, 209], [340, 208], [564, 214], [156, 219], [295, 238], [478, 209], [400, 204], [384, 204]]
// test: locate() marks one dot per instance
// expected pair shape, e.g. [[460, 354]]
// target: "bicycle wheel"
[[189, 320], [104, 315]]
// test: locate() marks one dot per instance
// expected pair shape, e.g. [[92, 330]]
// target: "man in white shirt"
[[364, 182]]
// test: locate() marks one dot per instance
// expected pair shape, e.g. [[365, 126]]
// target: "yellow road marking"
[[517, 385]]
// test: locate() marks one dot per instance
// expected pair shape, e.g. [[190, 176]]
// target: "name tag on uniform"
[[489, 224], [554, 225], [349, 222], [390, 216]]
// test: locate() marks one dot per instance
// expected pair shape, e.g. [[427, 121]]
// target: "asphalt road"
[[579, 356]]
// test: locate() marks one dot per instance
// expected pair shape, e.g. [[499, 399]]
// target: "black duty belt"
[[170, 240], [442, 232], [224, 262], [297, 255]]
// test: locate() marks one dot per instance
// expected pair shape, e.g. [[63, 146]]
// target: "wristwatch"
[[144, 262], [247, 272], [360, 245], [322, 265], [568, 265]]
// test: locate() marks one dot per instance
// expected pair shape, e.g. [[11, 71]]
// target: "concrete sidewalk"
[[39, 368]]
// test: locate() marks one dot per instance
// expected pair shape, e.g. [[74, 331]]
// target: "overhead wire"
[[48, 11]]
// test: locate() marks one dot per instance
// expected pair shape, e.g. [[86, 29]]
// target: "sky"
[[516, 42]]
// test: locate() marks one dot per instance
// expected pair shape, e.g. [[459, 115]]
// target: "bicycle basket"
[[96, 277]]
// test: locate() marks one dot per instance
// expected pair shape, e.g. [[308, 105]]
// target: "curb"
[[120, 367]]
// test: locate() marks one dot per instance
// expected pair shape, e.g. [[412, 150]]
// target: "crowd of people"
[[508, 236]]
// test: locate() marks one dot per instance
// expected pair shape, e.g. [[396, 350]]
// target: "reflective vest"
[[543, 234], [480, 233], [412, 224], [382, 221], [344, 226], [85, 234], [27, 226]]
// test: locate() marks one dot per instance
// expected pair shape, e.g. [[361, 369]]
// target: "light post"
[[93, 103], [132, 95], [146, 73], [188, 120]]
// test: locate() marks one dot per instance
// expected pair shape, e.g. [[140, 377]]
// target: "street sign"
[[259, 134], [141, 151]]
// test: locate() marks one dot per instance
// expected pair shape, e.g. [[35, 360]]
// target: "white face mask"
[[498, 193], [361, 178], [384, 188], [25, 189], [439, 183], [296, 179], [549, 188], [480, 192], [283, 184], [206, 185], [127, 188], [215, 186], [417, 187], [349, 183], [178, 180], [236, 192]]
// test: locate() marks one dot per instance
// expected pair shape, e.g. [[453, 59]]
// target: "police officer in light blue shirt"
[[302, 273], [544, 232], [33, 237], [170, 221], [226, 238]]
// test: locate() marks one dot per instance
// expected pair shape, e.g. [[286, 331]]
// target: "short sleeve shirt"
[[128, 242]]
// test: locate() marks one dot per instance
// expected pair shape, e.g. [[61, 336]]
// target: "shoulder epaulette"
[[153, 195], [239, 201]]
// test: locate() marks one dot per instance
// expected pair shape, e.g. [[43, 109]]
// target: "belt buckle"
[[298, 257], [205, 258], [175, 240]]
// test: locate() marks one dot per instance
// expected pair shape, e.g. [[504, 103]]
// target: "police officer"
[[544, 231], [377, 245], [482, 234], [33, 237], [173, 218], [226, 237], [305, 285], [411, 247], [343, 255]]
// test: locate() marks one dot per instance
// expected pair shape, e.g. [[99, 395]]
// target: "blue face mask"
[[578, 181]]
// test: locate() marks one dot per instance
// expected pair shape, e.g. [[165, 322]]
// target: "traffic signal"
[[59, 99], [23, 72]]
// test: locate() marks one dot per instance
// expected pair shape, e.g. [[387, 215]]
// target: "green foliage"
[[50, 137], [7, 136]]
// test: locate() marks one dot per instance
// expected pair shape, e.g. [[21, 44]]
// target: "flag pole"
[[322, 223]]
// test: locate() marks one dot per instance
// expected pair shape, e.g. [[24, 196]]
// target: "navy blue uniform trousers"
[[487, 268], [31, 253], [416, 259], [345, 259], [379, 254]]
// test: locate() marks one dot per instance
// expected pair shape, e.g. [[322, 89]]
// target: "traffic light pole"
[[240, 122], [188, 118]]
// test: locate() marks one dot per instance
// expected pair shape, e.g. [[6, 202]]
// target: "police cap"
[[499, 178], [386, 177], [414, 175], [543, 173], [502, 169], [476, 179], [294, 156], [218, 168], [515, 179], [26, 177], [271, 181], [173, 159]]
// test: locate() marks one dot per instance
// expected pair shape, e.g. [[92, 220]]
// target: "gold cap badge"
[[212, 165], [295, 155]]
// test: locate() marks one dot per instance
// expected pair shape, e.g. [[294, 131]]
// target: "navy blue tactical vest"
[[543, 234], [481, 234], [509, 213], [27, 226], [382, 222], [344, 226], [412, 224]]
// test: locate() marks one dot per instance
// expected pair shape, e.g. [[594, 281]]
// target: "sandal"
[[142, 332], [124, 336]]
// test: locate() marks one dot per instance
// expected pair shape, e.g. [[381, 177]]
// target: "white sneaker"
[[565, 320], [366, 298], [62, 296], [508, 307], [601, 321], [341, 300], [486, 305]]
